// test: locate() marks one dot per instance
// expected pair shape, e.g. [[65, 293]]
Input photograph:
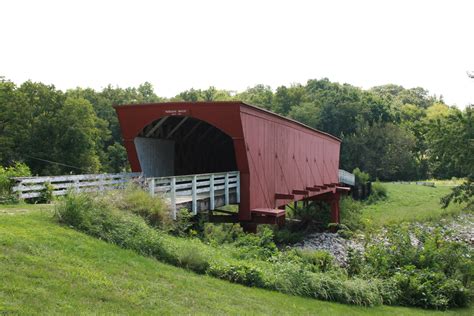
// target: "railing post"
[[151, 186], [173, 197], [237, 188], [212, 201], [226, 188], [76, 186], [194, 189]]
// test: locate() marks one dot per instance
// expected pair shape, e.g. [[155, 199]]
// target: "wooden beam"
[[160, 122], [283, 196], [177, 126], [300, 192], [191, 131], [313, 189], [203, 135]]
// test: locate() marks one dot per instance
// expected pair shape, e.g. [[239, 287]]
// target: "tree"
[[384, 150], [260, 95]]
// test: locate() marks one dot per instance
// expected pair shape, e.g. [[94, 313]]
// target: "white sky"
[[177, 45]]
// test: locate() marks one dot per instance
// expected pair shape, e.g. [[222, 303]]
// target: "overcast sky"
[[177, 45]]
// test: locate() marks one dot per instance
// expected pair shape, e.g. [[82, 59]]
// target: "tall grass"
[[96, 216]]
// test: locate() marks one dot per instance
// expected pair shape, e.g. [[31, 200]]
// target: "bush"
[[287, 236], [351, 213], [96, 217], [257, 246], [432, 274], [191, 258], [378, 193], [137, 201], [360, 176], [241, 273], [46, 195], [183, 224], [317, 260], [6, 173], [428, 289], [217, 234]]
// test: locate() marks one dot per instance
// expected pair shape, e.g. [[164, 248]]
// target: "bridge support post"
[[173, 197], [151, 186], [194, 189], [226, 189], [212, 200]]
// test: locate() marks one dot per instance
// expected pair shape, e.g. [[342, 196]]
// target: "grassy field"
[[408, 203], [49, 269]]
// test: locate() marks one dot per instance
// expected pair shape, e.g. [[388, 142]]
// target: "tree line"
[[391, 132]]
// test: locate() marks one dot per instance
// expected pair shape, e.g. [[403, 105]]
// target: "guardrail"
[[346, 177], [196, 186], [31, 187]]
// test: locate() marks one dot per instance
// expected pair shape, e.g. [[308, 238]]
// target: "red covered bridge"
[[279, 160]]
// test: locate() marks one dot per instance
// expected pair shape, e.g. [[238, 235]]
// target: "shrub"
[[257, 246], [217, 234], [378, 193], [241, 273], [189, 257], [351, 213], [315, 215], [135, 200], [360, 176], [46, 195], [429, 289], [97, 218], [6, 173], [317, 260], [287, 236], [183, 224], [432, 274]]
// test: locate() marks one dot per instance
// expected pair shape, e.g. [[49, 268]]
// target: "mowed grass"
[[47, 269], [408, 203]]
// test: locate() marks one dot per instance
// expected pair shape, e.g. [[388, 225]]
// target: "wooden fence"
[[196, 187], [31, 187]]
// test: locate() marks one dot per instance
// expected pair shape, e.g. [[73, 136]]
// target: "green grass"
[[408, 203], [49, 269]]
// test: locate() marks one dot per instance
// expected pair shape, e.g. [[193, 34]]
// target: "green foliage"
[[257, 246], [360, 176], [137, 201], [6, 173], [189, 257], [96, 217], [435, 274], [318, 260], [183, 224], [218, 234], [288, 235], [351, 213], [378, 193], [462, 194], [46, 195], [241, 273]]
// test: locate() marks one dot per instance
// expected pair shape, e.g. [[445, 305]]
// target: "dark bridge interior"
[[198, 146]]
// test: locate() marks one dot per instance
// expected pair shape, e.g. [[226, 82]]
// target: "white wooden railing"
[[31, 187], [207, 185], [346, 177]]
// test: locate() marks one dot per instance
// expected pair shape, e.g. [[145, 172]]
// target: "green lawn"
[[408, 203], [49, 269]]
